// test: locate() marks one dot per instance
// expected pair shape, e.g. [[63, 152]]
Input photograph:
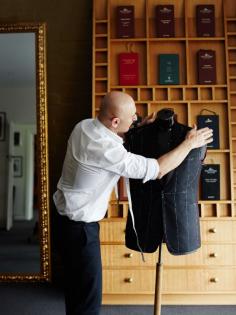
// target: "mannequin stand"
[[158, 285]]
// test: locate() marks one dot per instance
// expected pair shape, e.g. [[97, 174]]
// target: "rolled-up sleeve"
[[132, 165]]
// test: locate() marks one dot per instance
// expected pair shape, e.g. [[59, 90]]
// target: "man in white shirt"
[[94, 161]]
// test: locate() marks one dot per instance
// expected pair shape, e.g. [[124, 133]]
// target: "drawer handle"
[[128, 280], [214, 280], [129, 255], [213, 255], [212, 230]]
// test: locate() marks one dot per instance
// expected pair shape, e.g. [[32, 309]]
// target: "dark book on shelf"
[[212, 122], [165, 21], [206, 64], [125, 21], [205, 17], [128, 68], [210, 182], [168, 69]]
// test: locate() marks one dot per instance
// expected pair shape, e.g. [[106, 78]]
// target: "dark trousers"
[[82, 265]]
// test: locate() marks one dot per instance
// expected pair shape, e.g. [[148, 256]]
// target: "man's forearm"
[[174, 158]]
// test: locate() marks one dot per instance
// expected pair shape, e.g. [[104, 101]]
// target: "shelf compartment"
[[233, 129], [161, 94], [232, 69], [208, 211], [101, 28], [115, 210], [100, 11], [101, 57], [139, 17], [179, 17], [98, 102], [180, 110], [234, 163], [219, 48], [232, 85], [119, 47], [146, 94], [216, 209], [176, 94], [221, 110], [231, 26], [191, 94], [132, 92], [101, 42], [159, 47], [141, 109], [234, 175], [231, 40], [191, 17], [101, 71], [233, 101], [101, 87], [224, 210], [234, 146], [223, 160], [232, 55], [220, 93], [206, 94]]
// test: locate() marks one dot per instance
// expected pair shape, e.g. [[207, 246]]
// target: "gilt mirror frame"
[[39, 29]]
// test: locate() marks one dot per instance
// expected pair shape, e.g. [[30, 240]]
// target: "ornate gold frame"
[[42, 140]]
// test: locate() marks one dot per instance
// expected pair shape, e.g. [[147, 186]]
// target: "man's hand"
[[148, 120], [200, 137], [194, 139]]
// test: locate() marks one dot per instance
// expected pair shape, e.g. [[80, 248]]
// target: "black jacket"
[[165, 209]]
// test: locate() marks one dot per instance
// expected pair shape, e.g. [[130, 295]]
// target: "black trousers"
[[82, 267]]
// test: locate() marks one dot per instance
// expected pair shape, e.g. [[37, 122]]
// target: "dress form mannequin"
[[165, 118], [164, 210]]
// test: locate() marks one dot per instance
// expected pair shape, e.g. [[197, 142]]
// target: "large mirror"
[[24, 204]]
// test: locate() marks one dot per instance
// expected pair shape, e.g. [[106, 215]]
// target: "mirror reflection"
[[19, 170]]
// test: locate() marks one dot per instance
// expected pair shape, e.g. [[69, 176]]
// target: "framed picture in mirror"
[[17, 166], [2, 126]]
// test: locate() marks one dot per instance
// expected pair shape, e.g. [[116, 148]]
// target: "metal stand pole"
[[158, 286]]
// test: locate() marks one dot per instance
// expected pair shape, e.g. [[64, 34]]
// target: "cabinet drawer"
[[112, 231], [218, 231], [173, 280], [128, 281], [209, 255], [120, 255], [199, 280]]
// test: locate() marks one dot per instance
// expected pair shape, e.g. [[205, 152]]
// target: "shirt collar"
[[107, 131]]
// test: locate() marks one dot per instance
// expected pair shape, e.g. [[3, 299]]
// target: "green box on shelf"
[[168, 69]]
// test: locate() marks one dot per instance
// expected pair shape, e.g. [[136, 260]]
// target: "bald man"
[[94, 161]]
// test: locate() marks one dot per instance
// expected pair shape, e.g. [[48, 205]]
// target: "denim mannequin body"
[[166, 209]]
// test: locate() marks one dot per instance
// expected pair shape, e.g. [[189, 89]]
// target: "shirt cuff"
[[152, 170]]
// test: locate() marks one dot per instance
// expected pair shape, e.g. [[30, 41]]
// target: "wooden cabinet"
[[207, 276]]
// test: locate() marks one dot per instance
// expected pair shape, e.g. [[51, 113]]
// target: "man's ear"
[[115, 122]]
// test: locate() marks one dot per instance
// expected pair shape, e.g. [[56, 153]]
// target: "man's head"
[[118, 111]]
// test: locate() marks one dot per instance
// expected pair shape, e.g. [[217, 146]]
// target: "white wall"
[[19, 104]]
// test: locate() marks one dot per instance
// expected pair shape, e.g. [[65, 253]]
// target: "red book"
[[128, 68], [125, 21], [165, 20]]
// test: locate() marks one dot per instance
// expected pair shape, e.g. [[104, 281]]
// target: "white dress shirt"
[[94, 161]]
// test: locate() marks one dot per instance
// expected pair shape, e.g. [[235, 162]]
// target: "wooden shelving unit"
[[209, 275]]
